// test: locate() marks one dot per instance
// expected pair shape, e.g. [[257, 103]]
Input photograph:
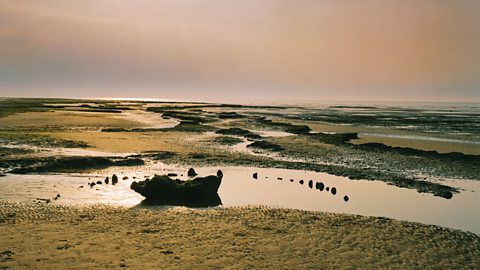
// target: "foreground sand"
[[39, 236]]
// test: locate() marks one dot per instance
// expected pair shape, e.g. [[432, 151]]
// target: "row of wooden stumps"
[[318, 186]]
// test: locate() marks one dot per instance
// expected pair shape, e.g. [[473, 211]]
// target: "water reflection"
[[207, 202], [272, 187]]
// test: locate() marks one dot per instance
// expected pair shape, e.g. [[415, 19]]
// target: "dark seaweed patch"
[[227, 140], [239, 132], [264, 145], [74, 164], [287, 127]]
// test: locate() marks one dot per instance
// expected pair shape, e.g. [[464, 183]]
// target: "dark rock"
[[298, 129], [114, 179], [92, 184], [301, 182], [114, 130], [172, 174], [191, 172], [99, 182], [333, 190], [327, 189], [158, 155], [264, 145], [107, 180], [198, 156], [279, 178], [255, 176], [199, 192], [287, 127], [125, 178], [291, 180], [443, 193], [320, 186], [239, 132], [227, 140], [190, 126], [230, 115], [310, 184], [43, 200], [345, 198], [335, 139], [80, 187]]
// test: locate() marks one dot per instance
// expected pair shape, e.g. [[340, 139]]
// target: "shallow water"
[[371, 198], [421, 138]]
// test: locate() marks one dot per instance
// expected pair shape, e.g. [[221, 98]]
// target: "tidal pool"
[[273, 187]]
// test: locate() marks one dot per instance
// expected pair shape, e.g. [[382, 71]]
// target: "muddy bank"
[[239, 132], [227, 140], [78, 164], [67, 164], [473, 160], [205, 132], [411, 163], [284, 126], [265, 145]]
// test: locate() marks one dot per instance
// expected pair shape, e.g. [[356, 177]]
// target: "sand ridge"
[[39, 236]]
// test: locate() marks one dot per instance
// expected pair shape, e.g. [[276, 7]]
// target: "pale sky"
[[419, 50]]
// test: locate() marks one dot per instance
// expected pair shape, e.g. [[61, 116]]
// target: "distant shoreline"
[[267, 102]]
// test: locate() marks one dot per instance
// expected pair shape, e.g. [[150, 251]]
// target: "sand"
[[66, 119], [40, 236], [128, 142]]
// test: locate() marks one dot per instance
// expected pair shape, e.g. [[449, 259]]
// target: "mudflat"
[[83, 139]]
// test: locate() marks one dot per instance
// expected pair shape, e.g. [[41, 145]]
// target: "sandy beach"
[[270, 160], [40, 236]]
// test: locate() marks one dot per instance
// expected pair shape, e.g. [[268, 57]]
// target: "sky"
[[228, 50]]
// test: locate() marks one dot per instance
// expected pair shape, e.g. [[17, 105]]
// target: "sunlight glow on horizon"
[[229, 50]]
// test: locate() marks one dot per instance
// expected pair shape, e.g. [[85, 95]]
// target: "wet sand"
[[40, 236], [66, 119], [46, 236]]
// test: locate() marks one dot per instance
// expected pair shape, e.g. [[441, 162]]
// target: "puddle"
[[239, 188], [21, 188]]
